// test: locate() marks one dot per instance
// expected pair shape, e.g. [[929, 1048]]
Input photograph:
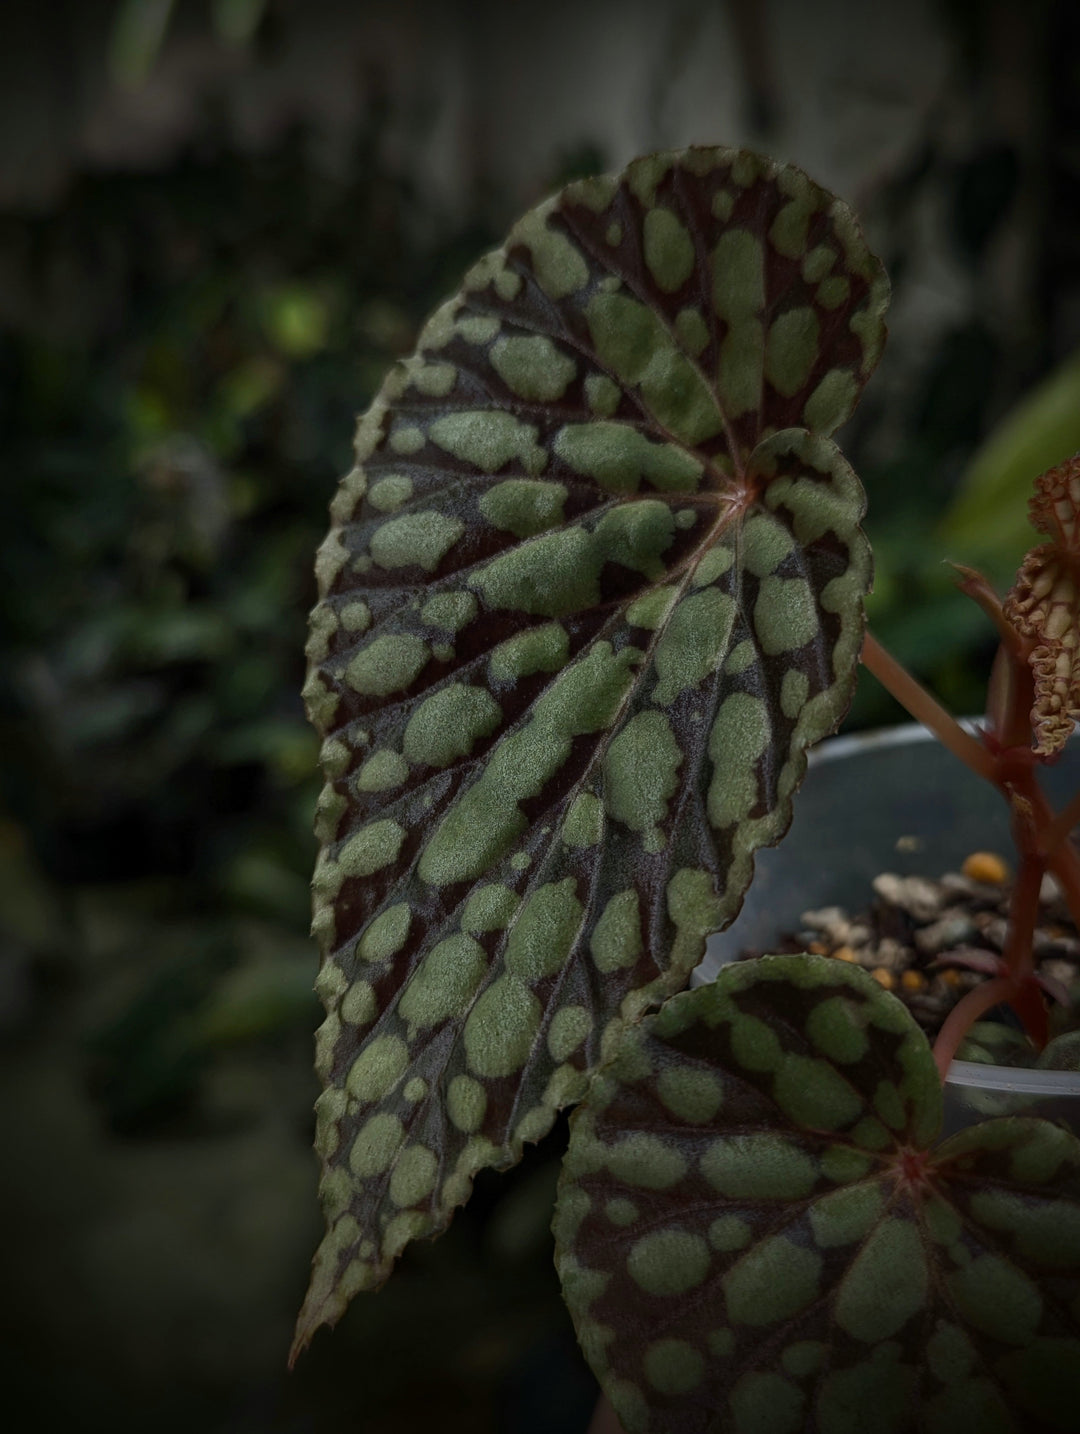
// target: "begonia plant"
[[593, 587]]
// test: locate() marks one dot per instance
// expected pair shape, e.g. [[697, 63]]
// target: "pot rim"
[[1017, 1079], [900, 735]]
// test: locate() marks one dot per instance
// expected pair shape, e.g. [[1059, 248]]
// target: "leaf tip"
[[326, 1299]]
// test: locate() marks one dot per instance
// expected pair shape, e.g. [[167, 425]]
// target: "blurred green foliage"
[[186, 354], [988, 516], [179, 400], [916, 607]]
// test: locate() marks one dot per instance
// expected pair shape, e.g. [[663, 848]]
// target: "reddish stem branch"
[[1019, 953], [1017, 986], [964, 1015], [1059, 854], [926, 709], [973, 583], [1023, 914], [1041, 836]]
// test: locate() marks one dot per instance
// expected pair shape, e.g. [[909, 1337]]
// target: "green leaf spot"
[[524, 506], [616, 941], [532, 367], [544, 931], [388, 664], [646, 1161], [641, 771], [845, 1216], [501, 1028], [690, 1094], [758, 1166], [997, 1298], [885, 1285], [449, 723], [668, 1262], [419, 540], [673, 1367], [814, 1094], [444, 982], [772, 1281]]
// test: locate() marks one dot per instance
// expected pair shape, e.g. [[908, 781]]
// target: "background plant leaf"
[[594, 585], [988, 518], [750, 1237]]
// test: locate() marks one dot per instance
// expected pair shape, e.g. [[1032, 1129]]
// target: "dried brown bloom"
[[1044, 606]]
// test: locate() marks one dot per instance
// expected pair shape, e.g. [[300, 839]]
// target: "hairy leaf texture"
[[1044, 606], [593, 586], [754, 1236]]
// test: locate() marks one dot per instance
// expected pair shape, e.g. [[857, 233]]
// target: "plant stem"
[[964, 1015], [1023, 914], [1041, 837], [1019, 953], [976, 586], [926, 709], [1017, 986], [1058, 852]]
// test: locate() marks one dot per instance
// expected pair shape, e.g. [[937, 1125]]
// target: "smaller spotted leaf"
[[593, 587], [1044, 606], [756, 1235]]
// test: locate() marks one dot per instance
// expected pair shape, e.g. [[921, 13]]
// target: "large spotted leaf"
[[754, 1235], [593, 586]]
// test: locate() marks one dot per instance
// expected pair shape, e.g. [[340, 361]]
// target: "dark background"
[[220, 220]]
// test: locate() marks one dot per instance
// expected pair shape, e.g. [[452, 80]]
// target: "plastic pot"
[[895, 800]]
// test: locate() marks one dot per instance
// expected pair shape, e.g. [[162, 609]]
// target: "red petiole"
[[1005, 757]]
